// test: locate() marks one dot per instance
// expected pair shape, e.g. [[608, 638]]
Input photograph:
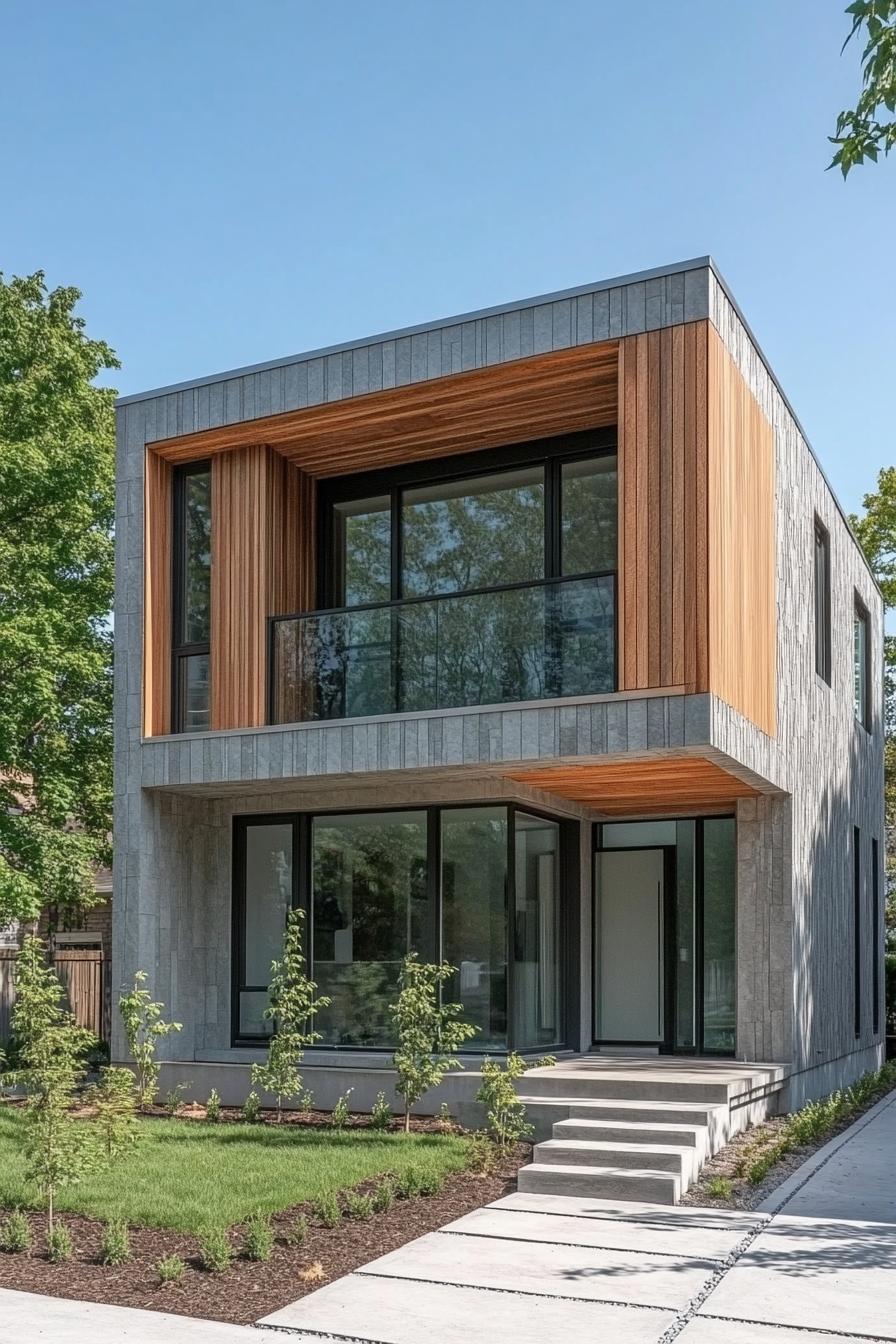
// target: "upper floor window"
[[861, 665], [822, 602], [517, 516], [192, 598]]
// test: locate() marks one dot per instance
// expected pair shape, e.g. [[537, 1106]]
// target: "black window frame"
[[391, 482], [877, 936], [569, 885], [181, 651], [822, 641], [856, 932], [861, 617]]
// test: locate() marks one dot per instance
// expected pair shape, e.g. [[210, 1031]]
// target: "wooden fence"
[[84, 973]]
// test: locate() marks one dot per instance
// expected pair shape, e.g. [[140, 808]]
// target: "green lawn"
[[187, 1175]]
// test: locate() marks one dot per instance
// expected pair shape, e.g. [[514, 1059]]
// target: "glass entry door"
[[633, 929]]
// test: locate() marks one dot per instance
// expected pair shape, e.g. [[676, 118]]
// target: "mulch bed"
[[248, 1290], [725, 1163]]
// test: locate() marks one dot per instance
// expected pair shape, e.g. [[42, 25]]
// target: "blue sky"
[[230, 181]]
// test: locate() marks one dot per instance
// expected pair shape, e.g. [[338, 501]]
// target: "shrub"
[[291, 1008], [430, 1183], [306, 1102], [143, 1027], [446, 1120], [326, 1210], [213, 1107], [380, 1112], [15, 1232], [428, 1031], [170, 1269], [719, 1188], [408, 1184], [215, 1250], [760, 1166], [358, 1206], [59, 1244], [115, 1247], [339, 1113], [384, 1195], [298, 1233], [482, 1154], [504, 1112], [174, 1098], [259, 1239], [252, 1109]]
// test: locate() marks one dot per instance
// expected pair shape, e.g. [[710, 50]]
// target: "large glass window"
[[192, 597], [474, 916], [370, 907], [536, 932], [476, 533], [267, 886], [362, 548], [588, 515]]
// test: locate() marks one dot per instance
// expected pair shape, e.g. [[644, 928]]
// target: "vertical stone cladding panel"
[[826, 761]]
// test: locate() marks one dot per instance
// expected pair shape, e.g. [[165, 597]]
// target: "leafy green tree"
[[862, 131], [59, 1150], [292, 1003], [876, 531], [114, 1102], [143, 1027], [429, 1032], [56, 514]]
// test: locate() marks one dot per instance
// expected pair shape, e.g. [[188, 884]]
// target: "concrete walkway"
[[816, 1265]]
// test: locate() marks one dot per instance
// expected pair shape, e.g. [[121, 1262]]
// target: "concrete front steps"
[[637, 1128]]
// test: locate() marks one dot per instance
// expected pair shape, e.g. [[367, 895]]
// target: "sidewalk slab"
[[817, 1273], [708, 1331], [361, 1307], [61, 1320], [670, 1216], [684, 1241], [850, 1177], [559, 1271]]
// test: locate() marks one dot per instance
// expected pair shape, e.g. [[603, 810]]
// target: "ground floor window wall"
[[478, 886]]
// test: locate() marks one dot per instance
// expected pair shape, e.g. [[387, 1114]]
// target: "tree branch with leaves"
[[869, 127]]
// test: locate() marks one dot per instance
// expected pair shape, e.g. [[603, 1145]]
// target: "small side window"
[[861, 665], [822, 602]]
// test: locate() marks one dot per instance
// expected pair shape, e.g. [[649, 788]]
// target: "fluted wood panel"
[[158, 514], [262, 554], [663, 612], [637, 788], [741, 565], [557, 393]]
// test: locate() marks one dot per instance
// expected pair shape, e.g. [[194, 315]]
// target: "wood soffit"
[[624, 788], [539, 396]]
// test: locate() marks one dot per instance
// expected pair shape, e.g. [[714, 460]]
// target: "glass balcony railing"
[[537, 641]]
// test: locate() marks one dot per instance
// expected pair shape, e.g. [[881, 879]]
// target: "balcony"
[[535, 641]]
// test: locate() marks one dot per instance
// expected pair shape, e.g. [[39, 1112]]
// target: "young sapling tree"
[[292, 1003], [429, 1032], [505, 1113], [114, 1102], [144, 1026], [59, 1150]]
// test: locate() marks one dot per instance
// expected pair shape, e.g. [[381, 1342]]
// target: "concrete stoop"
[[637, 1129]]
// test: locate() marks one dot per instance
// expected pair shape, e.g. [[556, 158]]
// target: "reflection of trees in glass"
[[491, 534], [588, 516], [365, 542], [474, 915], [197, 557], [370, 909]]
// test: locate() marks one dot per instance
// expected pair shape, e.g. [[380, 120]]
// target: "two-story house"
[[534, 640]]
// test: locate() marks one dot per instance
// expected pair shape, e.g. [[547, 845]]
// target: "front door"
[[632, 934]]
